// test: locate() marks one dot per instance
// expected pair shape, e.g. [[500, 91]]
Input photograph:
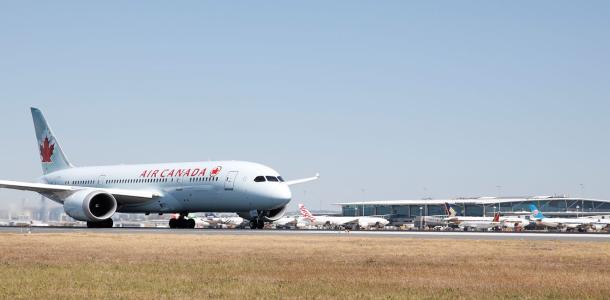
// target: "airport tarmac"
[[585, 237]]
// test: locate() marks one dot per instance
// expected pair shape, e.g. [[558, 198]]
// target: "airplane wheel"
[[173, 223], [190, 223], [260, 224], [108, 223]]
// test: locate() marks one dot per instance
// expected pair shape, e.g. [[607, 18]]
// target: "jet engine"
[[267, 215], [275, 214], [90, 205]]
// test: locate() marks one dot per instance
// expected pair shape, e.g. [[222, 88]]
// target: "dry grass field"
[[167, 266]]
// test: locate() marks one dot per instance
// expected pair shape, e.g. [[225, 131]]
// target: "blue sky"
[[386, 99]]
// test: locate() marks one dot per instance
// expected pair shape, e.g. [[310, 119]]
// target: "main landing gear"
[[102, 224], [257, 223], [181, 222]]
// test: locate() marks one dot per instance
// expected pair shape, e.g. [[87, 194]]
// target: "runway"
[[585, 237]]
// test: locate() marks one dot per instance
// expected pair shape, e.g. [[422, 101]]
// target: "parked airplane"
[[599, 223], [372, 222], [214, 221], [330, 221], [514, 222], [93, 194], [327, 221], [568, 223], [286, 222], [452, 216], [480, 224], [483, 222], [232, 222]]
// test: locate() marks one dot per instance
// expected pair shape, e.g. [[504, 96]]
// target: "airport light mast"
[[421, 218]]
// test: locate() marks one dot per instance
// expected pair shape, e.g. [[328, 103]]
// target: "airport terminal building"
[[408, 210]]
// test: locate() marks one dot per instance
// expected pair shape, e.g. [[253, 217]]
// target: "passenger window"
[[259, 179], [272, 178]]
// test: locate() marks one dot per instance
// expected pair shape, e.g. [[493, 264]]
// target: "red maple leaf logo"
[[46, 150], [216, 171]]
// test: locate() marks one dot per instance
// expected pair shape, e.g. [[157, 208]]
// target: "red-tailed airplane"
[[94, 194]]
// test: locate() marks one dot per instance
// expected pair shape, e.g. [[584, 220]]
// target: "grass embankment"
[[147, 266]]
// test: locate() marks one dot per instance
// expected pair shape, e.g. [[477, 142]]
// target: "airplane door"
[[101, 180], [230, 180]]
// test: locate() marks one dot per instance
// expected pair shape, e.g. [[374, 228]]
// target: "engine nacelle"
[[275, 214], [90, 205], [268, 215]]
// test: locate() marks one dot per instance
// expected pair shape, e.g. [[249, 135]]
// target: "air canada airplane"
[[93, 194]]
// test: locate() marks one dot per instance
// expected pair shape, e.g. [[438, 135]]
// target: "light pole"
[[577, 207], [421, 218]]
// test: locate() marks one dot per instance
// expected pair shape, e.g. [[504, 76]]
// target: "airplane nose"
[[280, 194], [284, 194], [275, 194]]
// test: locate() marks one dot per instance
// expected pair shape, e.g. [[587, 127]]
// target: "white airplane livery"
[[94, 194], [330, 221], [580, 224], [325, 220], [496, 221]]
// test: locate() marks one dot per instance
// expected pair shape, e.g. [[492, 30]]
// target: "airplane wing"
[[122, 195], [299, 181], [34, 187]]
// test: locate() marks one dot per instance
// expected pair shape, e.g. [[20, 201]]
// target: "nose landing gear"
[[181, 222]]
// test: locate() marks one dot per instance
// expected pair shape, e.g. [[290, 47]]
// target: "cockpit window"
[[259, 179], [280, 178], [272, 178]]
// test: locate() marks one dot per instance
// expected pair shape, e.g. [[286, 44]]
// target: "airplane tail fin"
[[536, 214], [52, 157], [305, 212], [496, 217], [449, 210]]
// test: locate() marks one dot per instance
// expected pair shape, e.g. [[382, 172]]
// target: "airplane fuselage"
[[212, 186]]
